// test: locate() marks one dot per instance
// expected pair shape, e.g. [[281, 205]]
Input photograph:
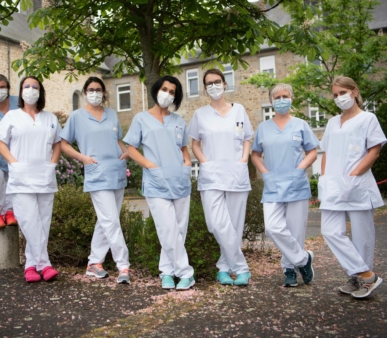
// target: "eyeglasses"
[[29, 86], [216, 82], [92, 90]]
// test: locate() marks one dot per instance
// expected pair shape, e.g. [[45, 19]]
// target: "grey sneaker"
[[306, 271], [290, 277], [366, 286], [96, 270], [123, 277], [351, 286]]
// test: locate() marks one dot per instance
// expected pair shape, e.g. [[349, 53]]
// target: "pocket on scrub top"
[[207, 173], [239, 135], [18, 174], [296, 139], [156, 179], [51, 174], [242, 175], [356, 147], [121, 170], [186, 179], [300, 181], [93, 173], [269, 182], [179, 136], [352, 189]]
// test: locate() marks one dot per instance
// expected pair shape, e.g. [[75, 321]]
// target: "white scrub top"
[[222, 144], [99, 140], [345, 147], [283, 152], [30, 142], [162, 145], [13, 104]]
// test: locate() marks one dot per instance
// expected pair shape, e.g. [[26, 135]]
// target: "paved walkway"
[[70, 308]]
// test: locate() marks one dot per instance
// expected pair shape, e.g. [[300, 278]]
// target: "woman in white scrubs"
[[351, 145], [98, 133], [34, 149], [283, 141], [166, 181], [220, 134], [7, 102]]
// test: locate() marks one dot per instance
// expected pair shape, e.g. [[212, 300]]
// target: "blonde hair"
[[348, 83], [278, 87]]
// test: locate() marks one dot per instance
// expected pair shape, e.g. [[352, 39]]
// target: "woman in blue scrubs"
[[166, 182], [283, 141], [98, 132]]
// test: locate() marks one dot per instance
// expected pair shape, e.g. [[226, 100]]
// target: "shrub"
[[314, 188], [254, 223], [69, 171]]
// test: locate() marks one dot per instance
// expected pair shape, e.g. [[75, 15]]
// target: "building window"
[[37, 4], [267, 64], [192, 82], [229, 76], [369, 106], [195, 169], [123, 97], [76, 101], [268, 113], [317, 117]]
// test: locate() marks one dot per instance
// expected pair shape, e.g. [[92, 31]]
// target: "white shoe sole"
[[88, 273], [377, 283]]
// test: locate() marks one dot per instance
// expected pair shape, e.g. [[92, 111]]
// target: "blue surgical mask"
[[282, 106]]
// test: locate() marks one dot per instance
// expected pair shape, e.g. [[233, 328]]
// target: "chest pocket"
[[179, 132], [355, 147], [297, 140]]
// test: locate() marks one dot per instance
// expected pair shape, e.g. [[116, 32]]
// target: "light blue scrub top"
[[283, 152], [13, 104], [99, 140], [162, 145]]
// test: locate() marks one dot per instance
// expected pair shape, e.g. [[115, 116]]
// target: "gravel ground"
[[74, 305]]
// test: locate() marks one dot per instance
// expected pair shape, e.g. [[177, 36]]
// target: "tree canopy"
[[150, 37]]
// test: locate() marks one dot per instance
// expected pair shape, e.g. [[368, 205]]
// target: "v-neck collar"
[[341, 125], [165, 118], [286, 125]]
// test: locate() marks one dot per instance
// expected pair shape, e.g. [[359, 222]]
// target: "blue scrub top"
[[283, 152], [99, 140], [162, 145], [13, 104]]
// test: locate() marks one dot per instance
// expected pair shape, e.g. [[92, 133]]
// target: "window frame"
[[231, 71], [270, 114], [262, 60], [318, 116], [124, 92], [188, 82]]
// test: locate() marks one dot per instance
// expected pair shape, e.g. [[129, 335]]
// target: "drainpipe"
[[143, 96], [9, 60]]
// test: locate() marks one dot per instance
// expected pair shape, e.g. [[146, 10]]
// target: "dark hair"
[[3, 78], [178, 92], [42, 94], [92, 79], [213, 71]]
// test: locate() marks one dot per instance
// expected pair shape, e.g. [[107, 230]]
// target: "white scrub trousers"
[[285, 224], [33, 212], [225, 217], [5, 200], [171, 221], [107, 232], [357, 255]]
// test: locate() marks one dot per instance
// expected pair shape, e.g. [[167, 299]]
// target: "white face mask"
[[3, 94], [344, 102], [94, 98], [164, 99], [216, 91], [30, 95]]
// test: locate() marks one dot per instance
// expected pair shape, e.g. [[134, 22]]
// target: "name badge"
[[354, 148], [297, 138], [179, 136], [115, 129]]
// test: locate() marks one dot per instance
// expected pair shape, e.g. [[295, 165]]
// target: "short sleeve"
[[185, 136], [256, 145], [134, 135], [309, 138], [68, 132], [248, 129], [375, 133], [119, 131], [324, 140], [5, 129], [193, 128]]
